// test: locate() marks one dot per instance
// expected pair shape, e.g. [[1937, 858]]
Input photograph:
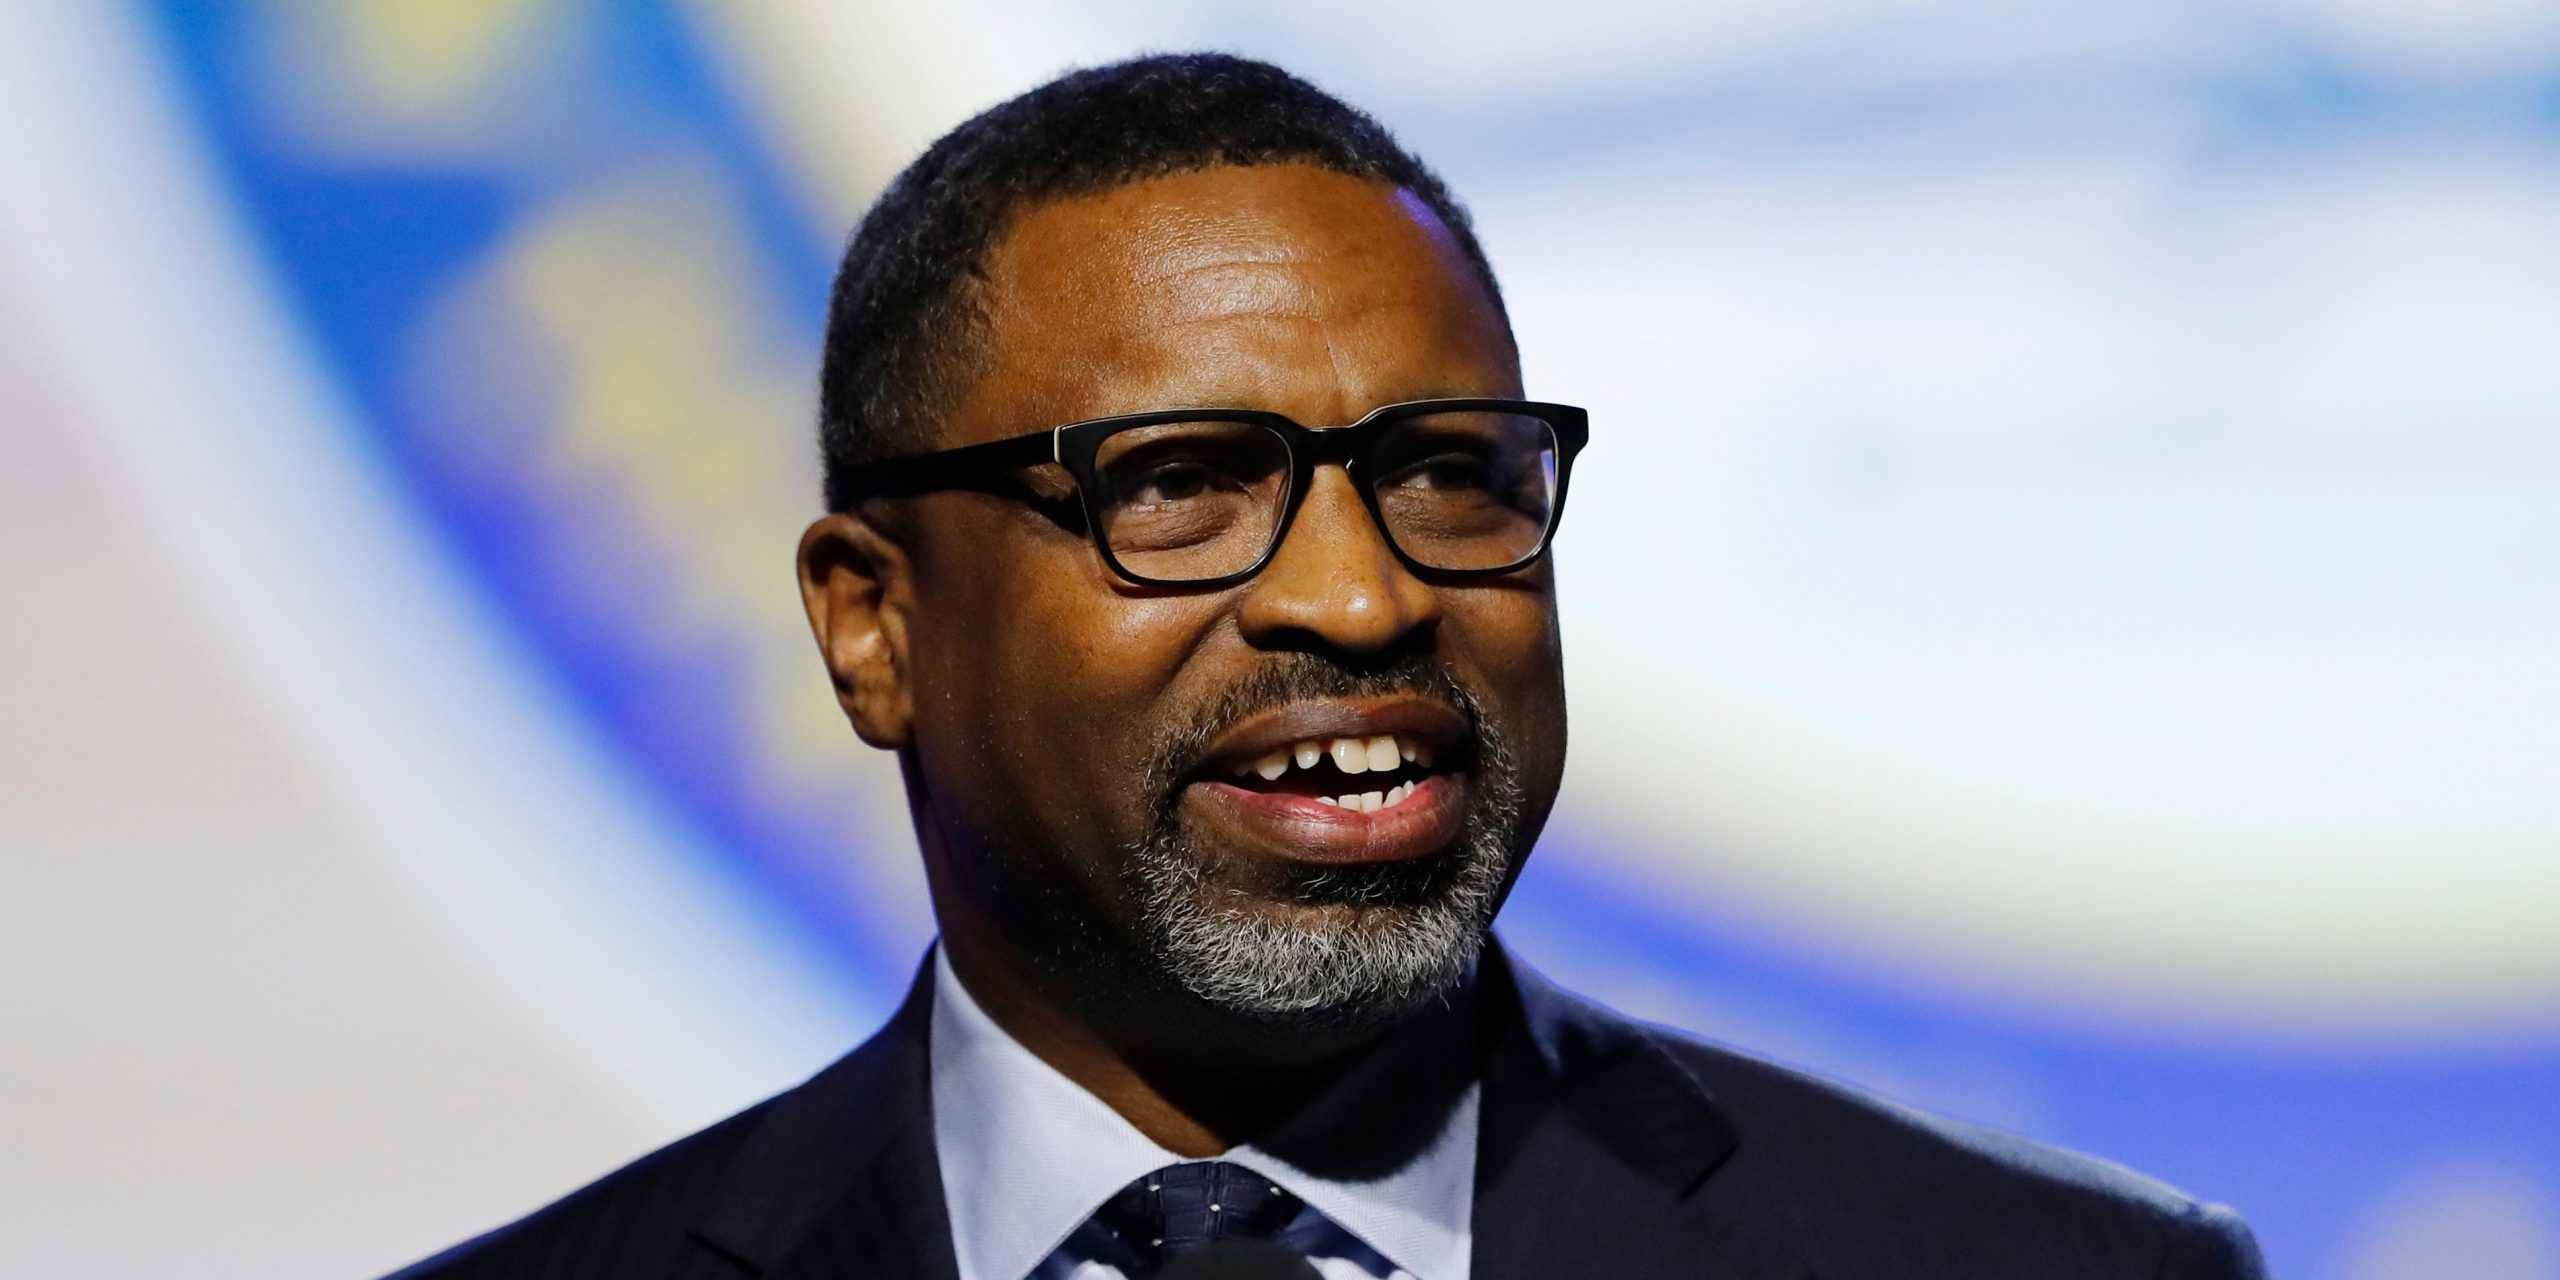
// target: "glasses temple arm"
[[967, 467]]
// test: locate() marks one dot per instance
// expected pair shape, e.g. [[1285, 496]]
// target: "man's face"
[[1082, 748]]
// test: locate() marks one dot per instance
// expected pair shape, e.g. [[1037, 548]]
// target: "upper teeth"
[[1350, 755]]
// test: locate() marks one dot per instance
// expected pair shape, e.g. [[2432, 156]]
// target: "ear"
[[857, 586]]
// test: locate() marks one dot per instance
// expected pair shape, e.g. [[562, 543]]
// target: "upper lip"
[[1436, 725]]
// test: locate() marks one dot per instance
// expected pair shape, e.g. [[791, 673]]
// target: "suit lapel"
[[840, 1177], [890, 1224], [1596, 1150]]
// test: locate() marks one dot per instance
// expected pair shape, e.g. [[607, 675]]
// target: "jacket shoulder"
[[842, 1164], [629, 1223], [1887, 1189]]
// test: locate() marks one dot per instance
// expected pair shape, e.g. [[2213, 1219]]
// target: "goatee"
[[1349, 948]]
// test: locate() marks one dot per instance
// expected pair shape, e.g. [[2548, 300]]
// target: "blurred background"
[[2061, 607]]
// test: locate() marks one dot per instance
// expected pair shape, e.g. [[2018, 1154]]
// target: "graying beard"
[[1412, 932]]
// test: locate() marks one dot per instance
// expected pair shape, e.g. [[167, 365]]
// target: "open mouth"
[[1339, 781], [1361, 774]]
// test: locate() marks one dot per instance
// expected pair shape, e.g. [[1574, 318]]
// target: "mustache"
[[1304, 677]]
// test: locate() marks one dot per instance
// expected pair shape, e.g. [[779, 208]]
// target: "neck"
[[1197, 1092], [1194, 1079]]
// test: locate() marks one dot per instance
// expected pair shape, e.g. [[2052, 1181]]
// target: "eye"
[[1445, 471], [1174, 481]]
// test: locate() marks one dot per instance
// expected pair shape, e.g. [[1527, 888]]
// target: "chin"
[[1334, 951], [1341, 955]]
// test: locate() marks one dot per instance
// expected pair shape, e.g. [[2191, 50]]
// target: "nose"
[[1335, 583]]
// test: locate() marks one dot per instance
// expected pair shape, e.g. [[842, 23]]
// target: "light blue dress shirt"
[[1027, 1155]]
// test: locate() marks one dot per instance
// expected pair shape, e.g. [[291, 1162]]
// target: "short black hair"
[[898, 338]]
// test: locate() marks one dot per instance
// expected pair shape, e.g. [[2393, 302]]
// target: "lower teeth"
[[1371, 801]]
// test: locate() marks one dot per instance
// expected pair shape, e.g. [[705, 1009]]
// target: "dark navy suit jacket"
[[1608, 1148]]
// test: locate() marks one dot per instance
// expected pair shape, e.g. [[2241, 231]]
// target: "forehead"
[[1284, 287]]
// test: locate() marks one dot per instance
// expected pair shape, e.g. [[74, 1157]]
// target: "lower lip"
[[1305, 829]]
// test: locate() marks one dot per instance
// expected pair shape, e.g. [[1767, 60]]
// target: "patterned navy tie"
[[1180, 1207]]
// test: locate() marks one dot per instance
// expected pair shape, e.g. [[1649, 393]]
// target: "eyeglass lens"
[[1193, 501]]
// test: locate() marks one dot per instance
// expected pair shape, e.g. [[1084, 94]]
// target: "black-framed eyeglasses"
[[1462, 488]]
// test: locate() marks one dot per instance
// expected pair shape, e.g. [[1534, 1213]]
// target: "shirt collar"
[[1027, 1154]]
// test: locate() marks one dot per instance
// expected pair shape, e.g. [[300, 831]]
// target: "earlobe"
[[857, 589]]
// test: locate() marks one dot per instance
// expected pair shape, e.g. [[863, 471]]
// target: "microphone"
[[1240, 1260]]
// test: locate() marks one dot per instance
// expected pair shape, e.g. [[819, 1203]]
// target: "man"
[[1225, 729]]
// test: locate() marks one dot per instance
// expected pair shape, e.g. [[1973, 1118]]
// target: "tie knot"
[[1182, 1206]]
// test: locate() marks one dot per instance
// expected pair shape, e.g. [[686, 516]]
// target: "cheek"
[[1510, 628], [1101, 686], [1505, 639], [1048, 692]]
